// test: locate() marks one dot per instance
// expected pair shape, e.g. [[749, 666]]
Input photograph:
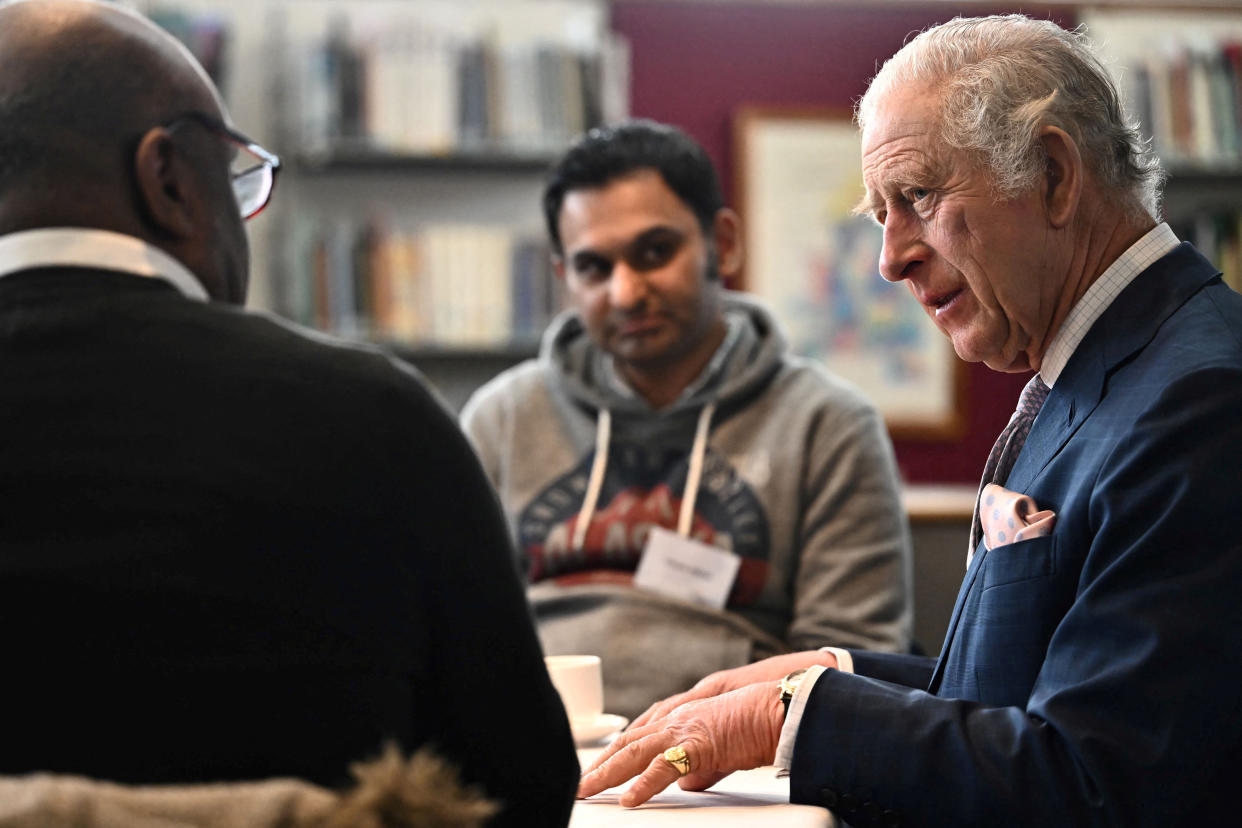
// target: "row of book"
[[1218, 235], [444, 285], [1189, 99], [409, 88]]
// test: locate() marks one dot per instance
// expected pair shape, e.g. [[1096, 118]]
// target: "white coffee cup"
[[579, 681]]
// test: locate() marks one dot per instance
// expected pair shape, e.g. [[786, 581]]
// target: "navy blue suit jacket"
[[1090, 677]]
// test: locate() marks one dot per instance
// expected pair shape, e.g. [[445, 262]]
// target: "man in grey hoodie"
[[660, 400]]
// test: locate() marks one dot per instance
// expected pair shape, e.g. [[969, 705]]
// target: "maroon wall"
[[696, 63]]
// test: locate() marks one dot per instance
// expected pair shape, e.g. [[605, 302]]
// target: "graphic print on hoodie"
[[643, 488]]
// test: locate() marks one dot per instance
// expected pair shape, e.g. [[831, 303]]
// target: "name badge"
[[687, 569]]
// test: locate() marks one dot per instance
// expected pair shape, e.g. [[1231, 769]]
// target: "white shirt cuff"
[[789, 731], [845, 661]]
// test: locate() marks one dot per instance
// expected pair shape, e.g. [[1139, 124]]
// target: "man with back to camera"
[[663, 400], [1090, 670], [229, 548]]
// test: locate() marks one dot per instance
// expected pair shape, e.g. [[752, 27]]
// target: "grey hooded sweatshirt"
[[795, 475]]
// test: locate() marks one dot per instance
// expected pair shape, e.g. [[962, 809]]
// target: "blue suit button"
[[829, 797], [849, 803], [872, 812], [891, 819]]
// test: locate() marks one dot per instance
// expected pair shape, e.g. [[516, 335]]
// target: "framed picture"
[[816, 264]]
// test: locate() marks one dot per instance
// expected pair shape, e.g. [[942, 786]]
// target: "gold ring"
[[676, 756]]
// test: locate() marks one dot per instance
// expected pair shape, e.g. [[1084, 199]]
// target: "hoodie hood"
[[755, 347]]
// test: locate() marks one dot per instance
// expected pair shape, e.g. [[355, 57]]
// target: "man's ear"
[[1063, 179], [727, 241], [166, 185], [558, 266]]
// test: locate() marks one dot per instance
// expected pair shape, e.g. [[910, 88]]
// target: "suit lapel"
[[1124, 328]]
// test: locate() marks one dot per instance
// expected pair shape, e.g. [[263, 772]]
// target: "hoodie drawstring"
[[691, 493], [603, 434]]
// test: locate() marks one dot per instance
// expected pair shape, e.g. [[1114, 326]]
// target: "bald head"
[[80, 81], [93, 134]]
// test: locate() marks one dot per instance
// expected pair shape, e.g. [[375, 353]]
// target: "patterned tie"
[[1008, 445]]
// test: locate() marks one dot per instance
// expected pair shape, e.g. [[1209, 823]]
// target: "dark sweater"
[[233, 549]]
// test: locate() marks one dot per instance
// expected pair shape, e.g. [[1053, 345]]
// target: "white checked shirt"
[[1137, 257], [1156, 243]]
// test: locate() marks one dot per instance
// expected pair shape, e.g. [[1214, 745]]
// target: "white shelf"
[[938, 502]]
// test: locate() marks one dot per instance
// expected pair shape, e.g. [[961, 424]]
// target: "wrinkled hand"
[[770, 669], [738, 730]]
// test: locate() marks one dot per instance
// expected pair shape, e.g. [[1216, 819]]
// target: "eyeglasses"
[[253, 169]]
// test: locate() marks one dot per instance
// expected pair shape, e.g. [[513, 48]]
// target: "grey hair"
[[1003, 78]]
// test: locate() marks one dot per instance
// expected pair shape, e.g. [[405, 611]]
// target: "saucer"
[[605, 724]]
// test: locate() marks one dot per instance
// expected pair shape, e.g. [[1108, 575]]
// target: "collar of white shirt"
[[95, 249], [1155, 244]]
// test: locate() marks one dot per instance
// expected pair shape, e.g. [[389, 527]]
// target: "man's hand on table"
[[770, 669], [734, 731]]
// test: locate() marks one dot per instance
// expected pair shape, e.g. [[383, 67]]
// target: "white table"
[[745, 798]]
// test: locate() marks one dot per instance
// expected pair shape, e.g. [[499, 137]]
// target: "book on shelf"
[[448, 285], [1188, 96], [408, 87], [1222, 105], [474, 108], [1231, 61]]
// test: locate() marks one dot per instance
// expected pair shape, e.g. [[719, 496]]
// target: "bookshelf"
[[1181, 72], [362, 157], [420, 134], [416, 137]]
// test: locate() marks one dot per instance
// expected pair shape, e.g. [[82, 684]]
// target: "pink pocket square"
[[1008, 517]]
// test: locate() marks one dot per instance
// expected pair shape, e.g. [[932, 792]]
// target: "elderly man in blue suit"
[[1091, 672]]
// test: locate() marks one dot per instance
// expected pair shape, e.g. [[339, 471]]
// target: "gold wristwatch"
[[788, 686]]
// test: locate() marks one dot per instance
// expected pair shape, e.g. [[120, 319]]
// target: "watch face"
[[789, 684]]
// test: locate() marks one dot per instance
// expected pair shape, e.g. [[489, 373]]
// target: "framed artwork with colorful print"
[[815, 262]]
